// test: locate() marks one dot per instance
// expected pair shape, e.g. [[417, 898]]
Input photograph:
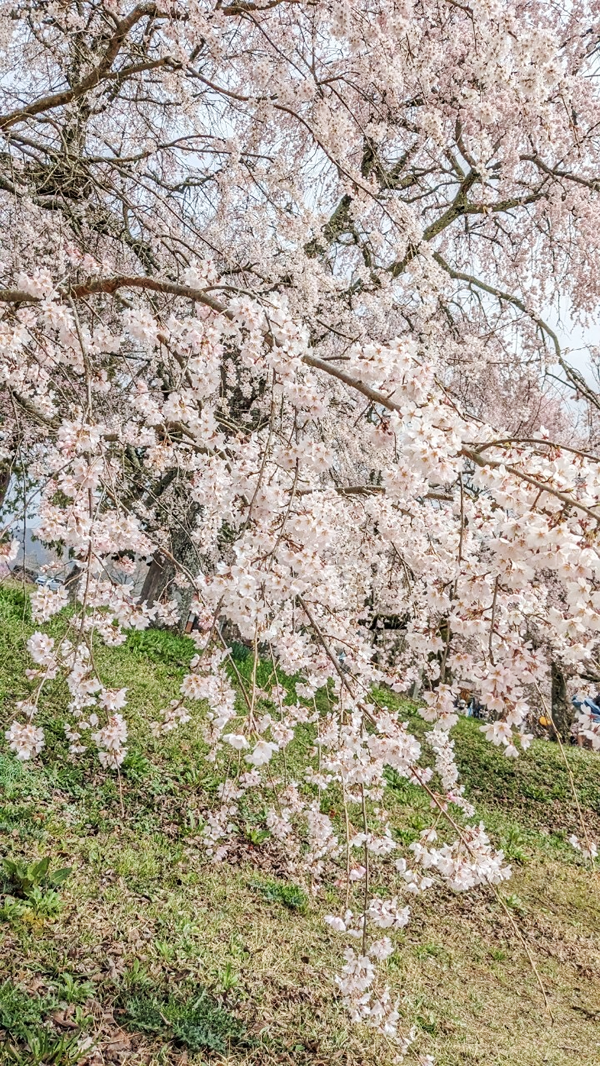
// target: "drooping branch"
[[113, 284], [577, 380]]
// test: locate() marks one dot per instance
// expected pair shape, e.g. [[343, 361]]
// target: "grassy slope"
[[146, 923]]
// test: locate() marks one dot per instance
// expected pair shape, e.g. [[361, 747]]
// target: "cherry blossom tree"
[[276, 281]]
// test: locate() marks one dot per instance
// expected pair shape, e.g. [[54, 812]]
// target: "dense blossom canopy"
[[275, 281]]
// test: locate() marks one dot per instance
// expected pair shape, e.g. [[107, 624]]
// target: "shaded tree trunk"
[[160, 572], [72, 582], [159, 580], [562, 708], [5, 475]]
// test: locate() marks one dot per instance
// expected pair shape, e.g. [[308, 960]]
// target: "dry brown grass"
[[460, 972]]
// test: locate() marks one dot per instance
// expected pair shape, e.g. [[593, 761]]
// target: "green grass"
[[536, 787], [197, 1023], [19, 1011], [151, 951], [290, 896]]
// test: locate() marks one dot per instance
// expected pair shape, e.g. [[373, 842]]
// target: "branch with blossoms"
[[377, 397]]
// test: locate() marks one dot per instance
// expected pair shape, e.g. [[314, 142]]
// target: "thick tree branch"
[[96, 75]]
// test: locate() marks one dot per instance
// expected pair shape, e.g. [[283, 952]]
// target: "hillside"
[[148, 953]]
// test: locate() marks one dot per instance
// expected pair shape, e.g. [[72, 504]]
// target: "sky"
[[575, 342]]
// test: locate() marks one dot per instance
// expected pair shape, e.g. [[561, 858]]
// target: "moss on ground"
[[155, 956]]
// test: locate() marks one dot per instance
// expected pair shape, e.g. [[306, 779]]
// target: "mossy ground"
[[158, 956]]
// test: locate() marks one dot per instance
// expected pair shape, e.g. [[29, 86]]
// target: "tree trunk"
[[5, 475], [161, 572], [72, 582], [562, 708]]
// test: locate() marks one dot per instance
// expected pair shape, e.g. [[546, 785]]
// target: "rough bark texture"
[[5, 475], [72, 582], [159, 581], [562, 708], [160, 572]]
